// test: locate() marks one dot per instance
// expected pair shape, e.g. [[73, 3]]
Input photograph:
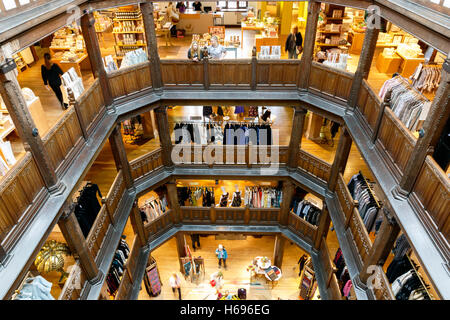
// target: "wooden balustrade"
[[90, 106], [360, 235], [233, 74], [74, 283], [133, 257], [314, 165], [182, 73], [21, 190], [396, 140], [195, 214], [229, 215], [125, 287], [275, 74], [369, 104], [159, 225], [345, 199], [145, 164], [115, 194], [381, 286], [264, 215], [97, 234], [331, 281], [330, 82], [130, 79], [431, 193], [62, 139], [302, 227]]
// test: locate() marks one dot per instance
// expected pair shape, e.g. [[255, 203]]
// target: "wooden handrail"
[[341, 72], [128, 69]]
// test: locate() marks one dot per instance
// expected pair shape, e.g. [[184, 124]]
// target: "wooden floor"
[[240, 256]]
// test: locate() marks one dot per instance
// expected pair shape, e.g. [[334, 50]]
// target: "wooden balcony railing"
[[264, 215], [130, 80], [114, 196], [302, 227], [314, 165], [345, 199], [98, 232], [330, 277], [157, 227], [369, 104], [21, 190], [62, 139], [195, 214], [431, 196], [74, 283], [382, 288], [182, 73], [277, 74], [330, 82], [146, 164], [90, 107], [128, 278], [396, 140]]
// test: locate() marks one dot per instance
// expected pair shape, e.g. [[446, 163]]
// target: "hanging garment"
[[223, 200], [36, 288], [253, 111], [238, 110], [236, 199]]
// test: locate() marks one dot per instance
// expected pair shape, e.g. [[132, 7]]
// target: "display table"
[[82, 63], [265, 41], [388, 64], [262, 269], [194, 22], [165, 31], [409, 65]]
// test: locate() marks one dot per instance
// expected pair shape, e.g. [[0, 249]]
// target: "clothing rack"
[[406, 81], [370, 190], [419, 276]]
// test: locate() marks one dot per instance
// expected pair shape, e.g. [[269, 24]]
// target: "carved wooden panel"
[[432, 188], [330, 81], [98, 231], [146, 164], [182, 73], [132, 261], [230, 215], [229, 73], [382, 289], [396, 139], [195, 214], [344, 197], [91, 103], [369, 104], [360, 235], [277, 73], [264, 215], [303, 228], [115, 193], [18, 189], [74, 283], [314, 165], [124, 287]]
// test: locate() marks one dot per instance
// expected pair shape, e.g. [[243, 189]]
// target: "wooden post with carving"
[[340, 159]]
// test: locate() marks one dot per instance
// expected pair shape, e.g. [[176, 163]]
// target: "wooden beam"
[[180, 249], [73, 235], [138, 225], [162, 122], [173, 201], [278, 250], [95, 56], [152, 44], [296, 136], [364, 64], [120, 156], [309, 43], [288, 193], [341, 157], [322, 230], [384, 242], [432, 128], [23, 122]]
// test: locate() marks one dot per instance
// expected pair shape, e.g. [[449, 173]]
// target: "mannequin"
[[223, 198], [237, 199]]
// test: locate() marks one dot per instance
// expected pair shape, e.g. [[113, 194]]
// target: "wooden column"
[[77, 243], [278, 250], [432, 129], [152, 45], [254, 79], [288, 193], [180, 249], [23, 122], [365, 61], [296, 136], [95, 55], [138, 225], [147, 124], [120, 156], [322, 230], [162, 122], [382, 246], [309, 43], [172, 196], [340, 160]]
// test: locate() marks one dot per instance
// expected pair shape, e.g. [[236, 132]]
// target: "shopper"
[[195, 238], [294, 44], [301, 263], [194, 52], [174, 17], [181, 7], [222, 255], [215, 50], [51, 74], [175, 283], [197, 6]]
